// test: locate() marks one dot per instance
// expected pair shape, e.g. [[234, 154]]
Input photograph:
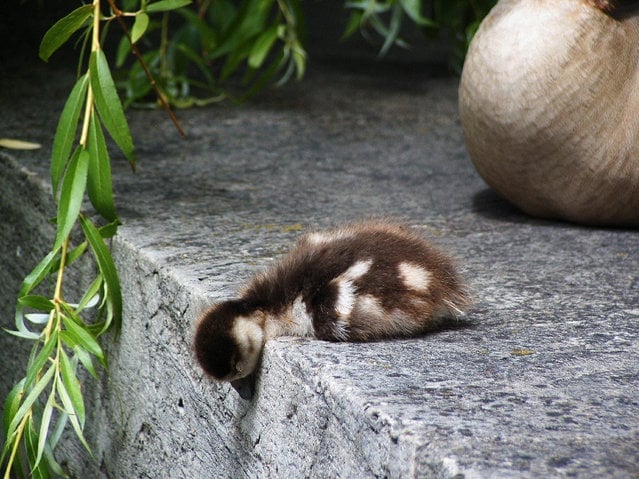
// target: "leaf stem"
[[95, 46], [19, 432], [57, 295]]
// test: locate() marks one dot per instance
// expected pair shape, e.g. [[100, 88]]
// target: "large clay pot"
[[549, 104]]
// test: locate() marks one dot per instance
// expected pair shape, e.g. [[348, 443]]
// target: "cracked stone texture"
[[541, 381]]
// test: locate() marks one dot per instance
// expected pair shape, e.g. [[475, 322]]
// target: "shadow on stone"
[[491, 205]]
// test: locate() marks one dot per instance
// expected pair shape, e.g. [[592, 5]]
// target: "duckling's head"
[[229, 340]]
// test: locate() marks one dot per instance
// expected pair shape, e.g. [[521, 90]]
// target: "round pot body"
[[549, 104]]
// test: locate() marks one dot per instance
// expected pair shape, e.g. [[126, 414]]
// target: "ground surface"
[[541, 380]]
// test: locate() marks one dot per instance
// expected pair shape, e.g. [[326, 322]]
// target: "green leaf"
[[11, 404], [85, 359], [166, 5], [140, 25], [53, 465], [91, 292], [72, 385], [248, 23], [82, 337], [45, 421], [31, 441], [109, 106], [75, 253], [413, 9], [23, 333], [66, 130], [124, 48], [37, 318], [67, 403], [262, 46], [299, 57], [392, 32], [109, 230], [41, 303], [26, 405], [205, 33], [354, 23], [38, 363], [99, 183], [106, 267], [35, 277], [60, 32], [71, 195]]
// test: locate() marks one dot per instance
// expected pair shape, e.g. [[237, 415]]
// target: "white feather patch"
[[370, 306], [415, 277], [250, 340], [324, 237], [358, 270], [345, 298], [346, 290]]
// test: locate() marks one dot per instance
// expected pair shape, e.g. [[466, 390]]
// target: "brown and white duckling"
[[361, 282]]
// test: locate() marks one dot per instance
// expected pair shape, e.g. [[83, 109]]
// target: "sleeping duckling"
[[362, 282]]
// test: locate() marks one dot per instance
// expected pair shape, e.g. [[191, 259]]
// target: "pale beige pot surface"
[[549, 103]]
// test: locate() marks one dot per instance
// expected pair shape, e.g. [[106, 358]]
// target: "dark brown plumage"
[[361, 282]]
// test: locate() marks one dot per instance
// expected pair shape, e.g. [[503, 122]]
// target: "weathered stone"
[[540, 381]]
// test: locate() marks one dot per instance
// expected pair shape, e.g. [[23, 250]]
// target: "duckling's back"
[[362, 282]]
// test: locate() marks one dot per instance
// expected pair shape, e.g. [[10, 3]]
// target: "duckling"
[[361, 282]]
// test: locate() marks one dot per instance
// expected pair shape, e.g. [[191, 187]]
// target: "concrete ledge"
[[541, 382]]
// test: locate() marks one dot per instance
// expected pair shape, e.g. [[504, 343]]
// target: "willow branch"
[[119, 16]]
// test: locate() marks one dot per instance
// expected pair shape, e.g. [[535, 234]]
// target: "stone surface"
[[540, 381]]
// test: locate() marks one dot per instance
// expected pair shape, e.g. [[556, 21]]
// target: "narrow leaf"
[[66, 131], [11, 404], [140, 25], [45, 422], [67, 403], [109, 230], [37, 318], [75, 253], [60, 32], [99, 183], [299, 57], [262, 46], [72, 385], [413, 9], [109, 106], [34, 393], [91, 296], [53, 465], [18, 144], [35, 277], [82, 337], [38, 302], [106, 267], [23, 333], [166, 5], [354, 23], [31, 441], [71, 195], [85, 359], [38, 363], [124, 49]]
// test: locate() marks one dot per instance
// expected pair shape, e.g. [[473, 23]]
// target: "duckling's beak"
[[244, 386]]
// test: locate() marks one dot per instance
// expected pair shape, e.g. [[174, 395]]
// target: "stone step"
[[540, 381]]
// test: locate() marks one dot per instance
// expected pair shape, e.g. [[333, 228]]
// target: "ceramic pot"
[[549, 104]]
